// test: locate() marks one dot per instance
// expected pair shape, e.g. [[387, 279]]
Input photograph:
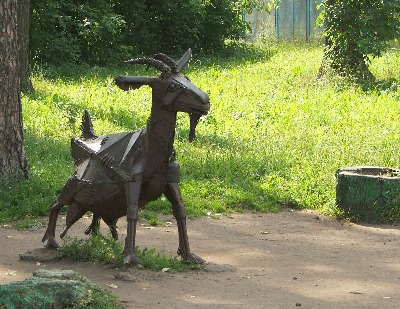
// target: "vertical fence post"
[[277, 23], [292, 18], [308, 23]]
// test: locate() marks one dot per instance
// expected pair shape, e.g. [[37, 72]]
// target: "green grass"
[[98, 248], [274, 137]]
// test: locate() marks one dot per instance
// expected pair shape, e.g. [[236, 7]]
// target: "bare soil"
[[276, 260]]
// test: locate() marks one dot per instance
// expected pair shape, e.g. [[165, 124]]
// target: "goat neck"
[[161, 134]]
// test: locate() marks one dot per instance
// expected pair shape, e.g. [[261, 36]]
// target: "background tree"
[[13, 160], [356, 30]]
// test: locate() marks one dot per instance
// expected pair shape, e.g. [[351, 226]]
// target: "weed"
[[29, 223], [99, 248], [96, 248]]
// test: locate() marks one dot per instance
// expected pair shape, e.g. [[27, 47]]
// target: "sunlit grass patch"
[[274, 137]]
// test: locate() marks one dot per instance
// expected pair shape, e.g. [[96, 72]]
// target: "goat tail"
[[87, 126]]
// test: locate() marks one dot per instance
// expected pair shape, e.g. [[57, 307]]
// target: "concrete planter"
[[368, 193]]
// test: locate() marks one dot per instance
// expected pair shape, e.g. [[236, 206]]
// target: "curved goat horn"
[[151, 62], [168, 61]]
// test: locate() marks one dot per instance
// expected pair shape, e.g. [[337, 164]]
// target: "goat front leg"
[[173, 194], [50, 234], [132, 193]]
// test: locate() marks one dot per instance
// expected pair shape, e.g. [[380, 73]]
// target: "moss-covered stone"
[[52, 289]]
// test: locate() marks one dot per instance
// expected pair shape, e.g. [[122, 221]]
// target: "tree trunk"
[[23, 38], [13, 160]]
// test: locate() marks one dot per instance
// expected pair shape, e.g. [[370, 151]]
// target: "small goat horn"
[[182, 64], [168, 61], [151, 62]]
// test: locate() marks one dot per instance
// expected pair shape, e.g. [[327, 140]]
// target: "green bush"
[[222, 20], [167, 26], [105, 32], [64, 31]]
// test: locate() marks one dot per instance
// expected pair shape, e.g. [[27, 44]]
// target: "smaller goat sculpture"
[[116, 174]]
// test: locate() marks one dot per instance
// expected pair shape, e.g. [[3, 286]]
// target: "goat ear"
[[132, 82], [182, 64]]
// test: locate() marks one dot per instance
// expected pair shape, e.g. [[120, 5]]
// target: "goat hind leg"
[[113, 229], [173, 194], [49, 236], [94, 227]]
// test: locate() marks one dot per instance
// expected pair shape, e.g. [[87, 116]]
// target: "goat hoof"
[[194, 258], [50, 242], [131, 259]]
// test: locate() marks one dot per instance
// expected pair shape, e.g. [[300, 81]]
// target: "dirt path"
[[283, 260]]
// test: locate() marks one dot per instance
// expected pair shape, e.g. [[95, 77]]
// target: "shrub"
[[64, 31], [356, 30], [104, 32]]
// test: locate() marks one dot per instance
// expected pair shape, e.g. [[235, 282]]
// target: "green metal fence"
[[293, 19]]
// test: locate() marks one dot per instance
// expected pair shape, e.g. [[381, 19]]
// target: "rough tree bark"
[[24, 7], [13, 160]]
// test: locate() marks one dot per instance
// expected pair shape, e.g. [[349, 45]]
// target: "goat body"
[[116, 174]]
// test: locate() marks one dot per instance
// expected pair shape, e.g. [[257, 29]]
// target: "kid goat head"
[[116, 174]]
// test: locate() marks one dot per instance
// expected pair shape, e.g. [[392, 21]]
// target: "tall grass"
[[275, 134]]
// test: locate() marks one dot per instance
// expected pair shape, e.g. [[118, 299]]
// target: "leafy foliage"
[[105, 31], [158, 25], [356, 30], [67, 31]]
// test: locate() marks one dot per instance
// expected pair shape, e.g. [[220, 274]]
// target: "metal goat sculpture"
[[116, 174]]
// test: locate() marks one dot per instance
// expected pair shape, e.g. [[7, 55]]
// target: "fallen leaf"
[[113, 286], [165, 269]]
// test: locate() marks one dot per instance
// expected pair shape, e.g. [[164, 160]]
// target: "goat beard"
[[194, 120]]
